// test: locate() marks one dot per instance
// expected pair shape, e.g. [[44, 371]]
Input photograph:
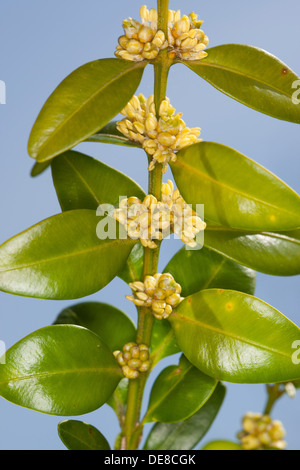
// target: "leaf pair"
[[97, 91]]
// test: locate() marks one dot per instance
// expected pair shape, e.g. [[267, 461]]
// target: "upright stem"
[[133, 429]]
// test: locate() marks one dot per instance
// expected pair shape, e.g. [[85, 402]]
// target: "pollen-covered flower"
[[161, 138], [151, 220], [260, 432], [159, 292], [134, 358], [186, 40], [141, 40]]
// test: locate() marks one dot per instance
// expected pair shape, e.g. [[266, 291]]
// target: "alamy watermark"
[[296, 94], [2, 352], [2, 92], [296, 354], [157, 225]]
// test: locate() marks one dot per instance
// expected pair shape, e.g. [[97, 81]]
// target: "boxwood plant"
[[202, 305]]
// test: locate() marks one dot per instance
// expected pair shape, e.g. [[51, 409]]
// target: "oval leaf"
[[236, 191], [196, 270], [109, 323], [62, 257], [82, 182], [39, 168], [252, 76], [178, 392], [185, 435], [64, 370], [83, 104], [236, 337], [270, 253], [77, 435]]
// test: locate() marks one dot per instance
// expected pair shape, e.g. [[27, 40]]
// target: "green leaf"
[[39, 168], [178, 393], [133, 269], [270, 253], [251, 76], [110, 135], [222, 445], [236, 191], [63, 370], [118, 400], [82, 105], [163, 342], [62, 257], [185, 435], [235, 337], [109, 323], [196, 270], [77, 435], [82, 182]]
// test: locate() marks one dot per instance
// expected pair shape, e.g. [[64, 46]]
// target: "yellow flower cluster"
[[260, 432], [159, 292], [143, 40], [133, 359], [160, 138], [150, 219]]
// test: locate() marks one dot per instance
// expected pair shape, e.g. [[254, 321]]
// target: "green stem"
[[133, 428], [274, 393]]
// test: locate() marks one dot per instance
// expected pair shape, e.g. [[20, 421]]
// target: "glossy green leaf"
[[236, 191], [235, 337], [196, 270], [109, 134], [77, 435], [185, 435], [163, 341], [82, 105], [111, 324], [270, 253], [82, 182], [253, 77], [178, 393], [62, 257], [64, 370], [222, 445], [133, 269]]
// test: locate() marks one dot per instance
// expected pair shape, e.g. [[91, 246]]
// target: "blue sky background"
[[41, 42]]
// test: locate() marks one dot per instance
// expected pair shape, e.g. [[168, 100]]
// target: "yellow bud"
[[145, 34]]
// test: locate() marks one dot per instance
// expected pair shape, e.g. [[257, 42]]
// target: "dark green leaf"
[[113, 326], [82, 105], [185, 435], [178, 393], [236, 337], [252, 76], [77, 435], [62, 257], [64, 370], [236, 191], [81, 182], [270, 253], [196, 270], [110, 135]]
